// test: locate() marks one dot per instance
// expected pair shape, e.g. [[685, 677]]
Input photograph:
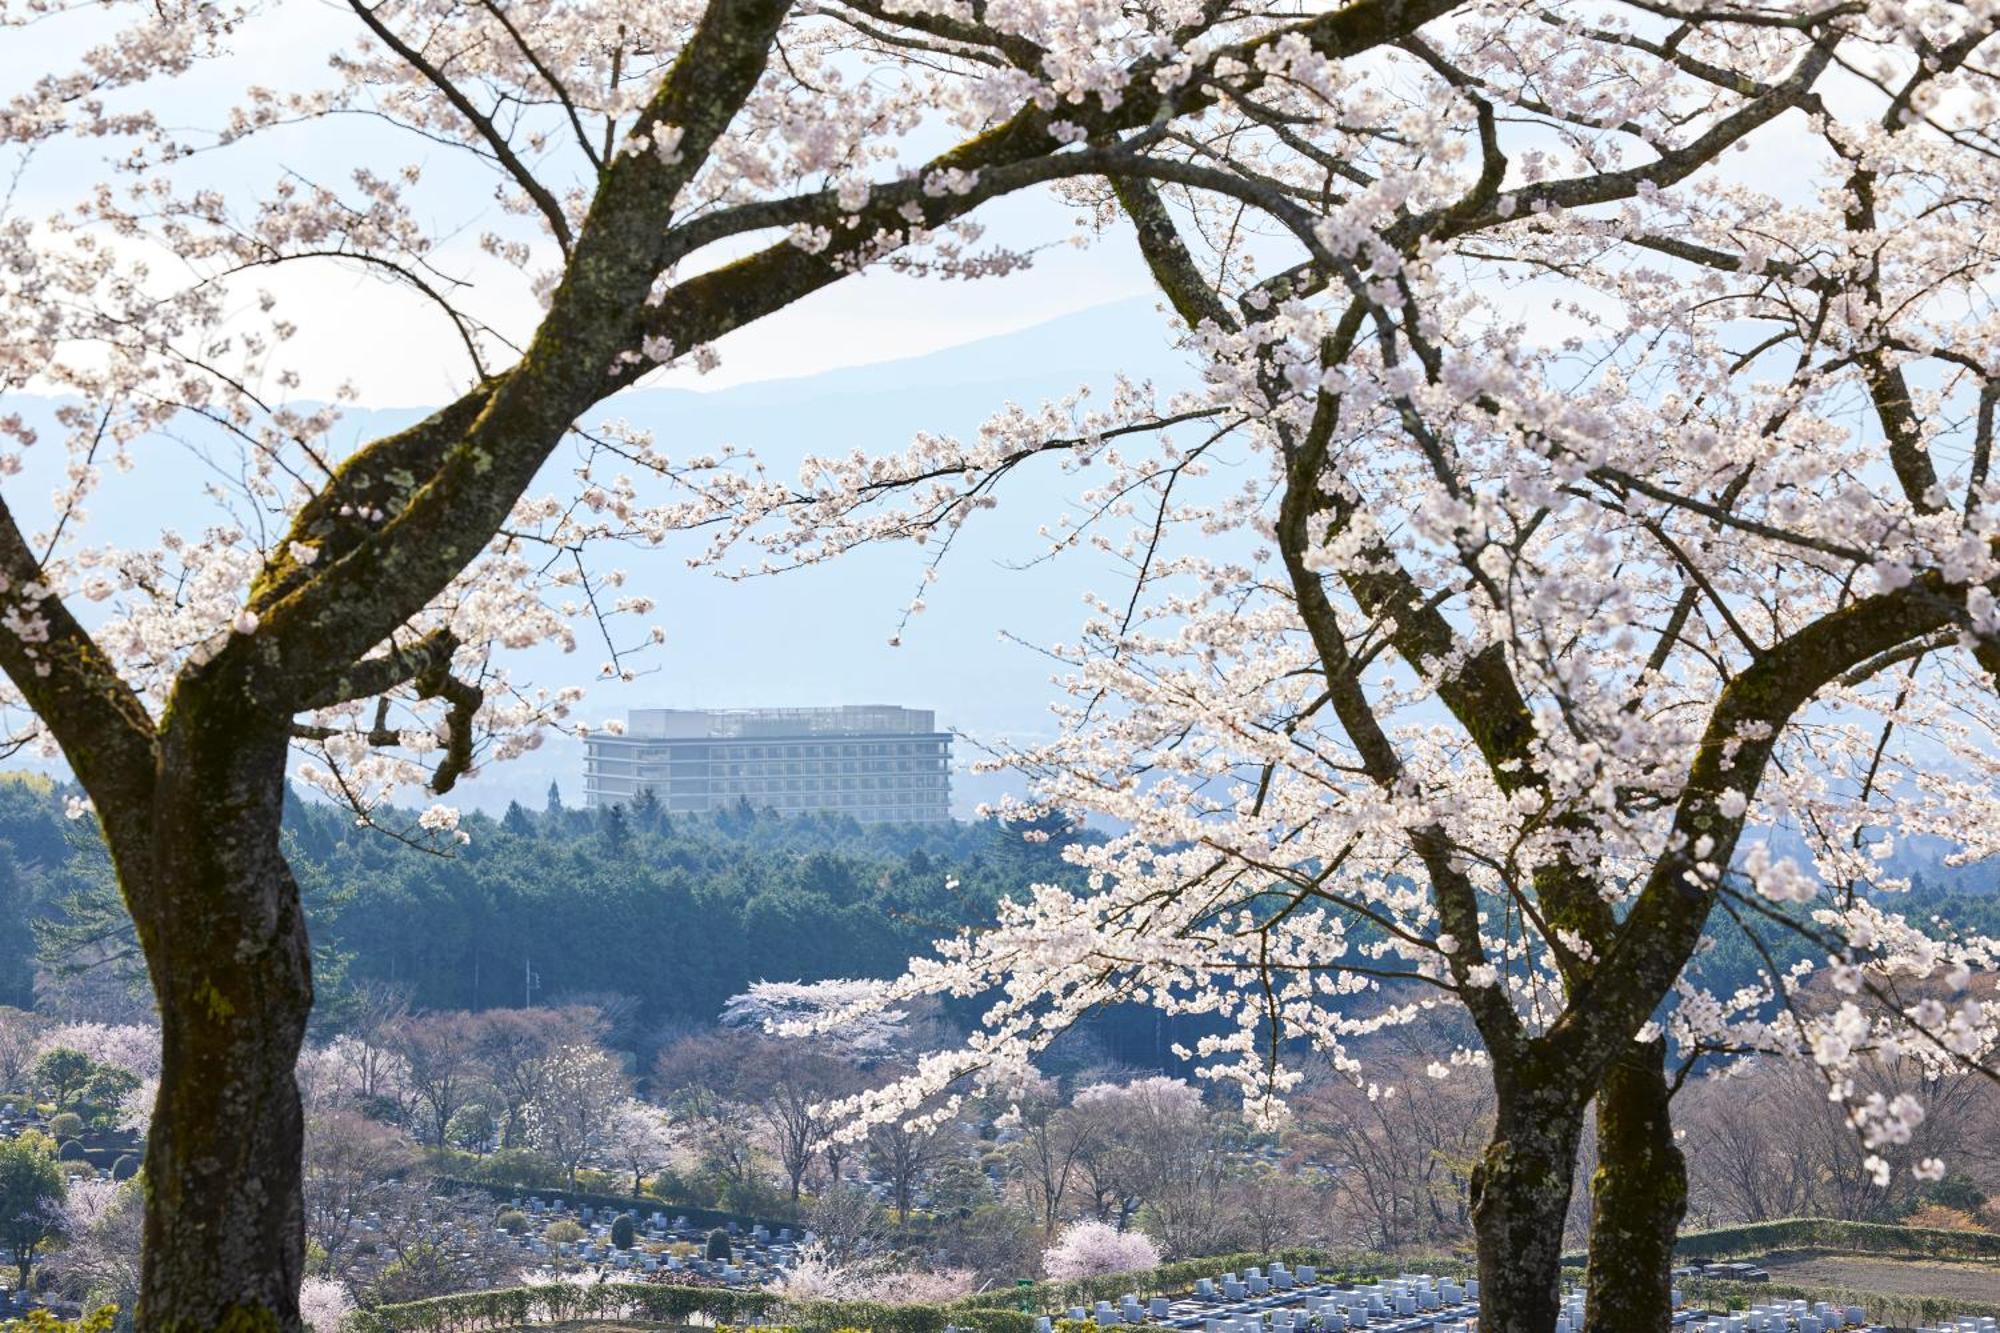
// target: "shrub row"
[[513, 1307], [1825, 1233]]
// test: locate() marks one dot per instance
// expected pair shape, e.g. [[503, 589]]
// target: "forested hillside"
[[659, 919], [674, 915]]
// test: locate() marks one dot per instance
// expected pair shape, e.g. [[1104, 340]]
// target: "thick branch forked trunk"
[[1520, 1200], [1638, 1197], [225, 941]]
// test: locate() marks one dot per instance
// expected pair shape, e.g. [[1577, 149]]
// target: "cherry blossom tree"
[[515, 1048], [768, 1005], [324, 1304], [820, 1275], [352, 1167], [1158, 1146], [1577, 544], [99, 1262], [1091, 1248], [641, 1138], [574, 1112], [127, 1046], [661, 179], [1048, 1144], [708, 1083], [20, 1043]]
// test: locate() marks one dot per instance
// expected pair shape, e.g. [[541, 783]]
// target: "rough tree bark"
[[1638, 1198], [230, 963], [1520, 1198]]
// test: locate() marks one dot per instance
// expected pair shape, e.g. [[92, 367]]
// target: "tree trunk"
[[225, 941], [1638, 1196], [1520, 1199]]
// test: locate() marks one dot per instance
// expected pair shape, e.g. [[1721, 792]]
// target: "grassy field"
[[1973, 1283]]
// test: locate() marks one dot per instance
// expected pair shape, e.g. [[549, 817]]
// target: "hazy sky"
[[786, 385]]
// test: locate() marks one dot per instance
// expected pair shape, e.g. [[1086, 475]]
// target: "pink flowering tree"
[[127, 1046], [571, 198], [1091, 1249], [1582, 538], [768, 1006], [820, 1275], [324, 1304], [641, 1138]]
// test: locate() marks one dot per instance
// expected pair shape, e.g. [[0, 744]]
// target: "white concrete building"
[[876, 762]]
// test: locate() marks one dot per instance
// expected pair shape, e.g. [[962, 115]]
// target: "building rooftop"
[[747, 723]]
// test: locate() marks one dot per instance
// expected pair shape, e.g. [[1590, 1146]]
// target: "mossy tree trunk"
[[226, 945], [1520, 1200], [1638, 1198]]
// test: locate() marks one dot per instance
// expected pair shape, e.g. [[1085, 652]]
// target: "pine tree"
[[516, 820]]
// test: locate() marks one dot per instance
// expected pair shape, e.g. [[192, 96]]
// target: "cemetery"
[[1276, 1299], [665, 1247], [523, 1257], [1273, 1297]]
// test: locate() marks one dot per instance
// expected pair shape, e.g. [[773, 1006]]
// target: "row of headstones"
[[14, 1126], [1255, 1282], [1413, 1296], [653, 1265], [657, 1265], [1795, 1316], [656, 1221], [1786, 1316], [1405, 1296], [775, 1251], [1408, 1294]]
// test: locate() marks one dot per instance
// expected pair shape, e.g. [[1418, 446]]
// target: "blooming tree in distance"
[[323, 1304], [769, 1006], [1090, 1248]]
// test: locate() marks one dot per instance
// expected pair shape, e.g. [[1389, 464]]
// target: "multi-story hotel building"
[[876, 762]]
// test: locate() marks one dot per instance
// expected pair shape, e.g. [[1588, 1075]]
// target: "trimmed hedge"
[[1825, 1233], [513, 1307], [642, 1207]]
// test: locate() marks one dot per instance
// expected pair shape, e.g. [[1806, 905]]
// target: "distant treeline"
[[676, 912], [671, 914]]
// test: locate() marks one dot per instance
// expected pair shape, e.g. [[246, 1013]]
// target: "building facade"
[[876, 762]]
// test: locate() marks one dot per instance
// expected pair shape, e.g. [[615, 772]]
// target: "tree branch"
[[76, 691]]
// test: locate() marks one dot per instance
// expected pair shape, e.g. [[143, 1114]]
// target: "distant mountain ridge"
[[819, 636]]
